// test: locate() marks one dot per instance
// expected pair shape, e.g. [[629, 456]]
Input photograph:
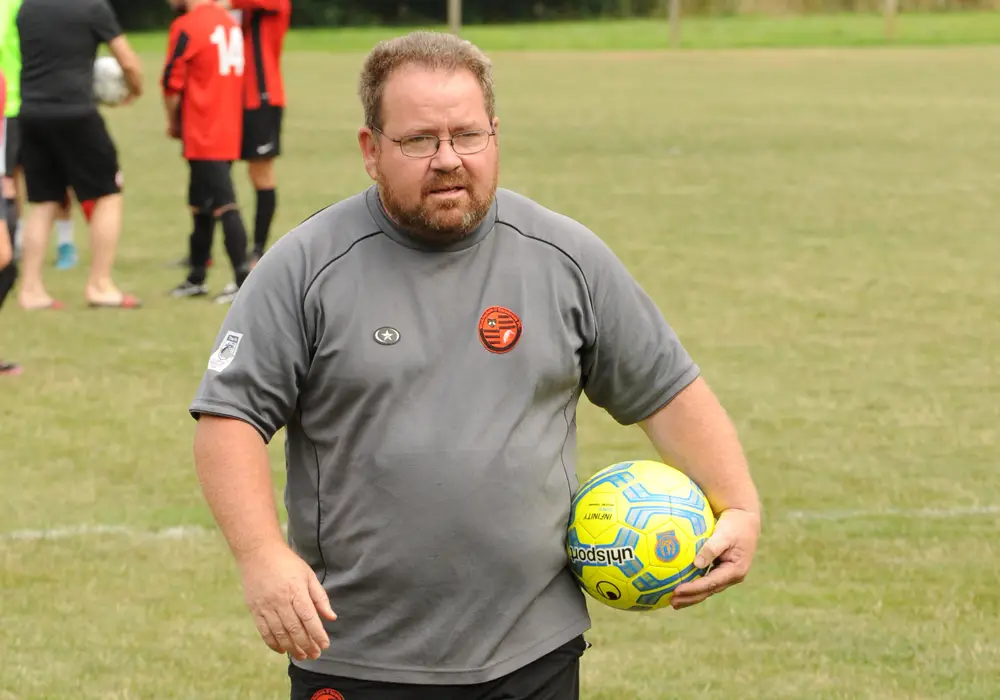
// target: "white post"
[[891, 8], [675, 23], [455, 16]]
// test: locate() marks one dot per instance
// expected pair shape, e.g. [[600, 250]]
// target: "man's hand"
[[731, 548], [287, 602]]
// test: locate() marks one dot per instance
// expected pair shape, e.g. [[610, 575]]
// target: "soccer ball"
[[110, 87], [635, 528]]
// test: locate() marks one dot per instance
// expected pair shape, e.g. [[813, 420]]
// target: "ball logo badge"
[[667, 546], [499, 329], [609, 590]]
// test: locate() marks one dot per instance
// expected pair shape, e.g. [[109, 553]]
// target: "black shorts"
[[211, 185], [555, 676], [11, 145], [62, 152], [262, 132]]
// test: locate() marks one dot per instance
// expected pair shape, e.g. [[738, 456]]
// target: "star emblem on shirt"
[[386, 335]]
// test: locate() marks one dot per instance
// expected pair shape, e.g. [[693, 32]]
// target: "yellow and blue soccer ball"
[[634, 531]]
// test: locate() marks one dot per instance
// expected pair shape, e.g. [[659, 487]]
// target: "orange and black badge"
[[327, 694], [499, 329]]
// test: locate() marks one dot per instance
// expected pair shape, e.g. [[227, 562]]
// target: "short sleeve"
[[636, 364], [175, 68], [262, 353], [104, 23]]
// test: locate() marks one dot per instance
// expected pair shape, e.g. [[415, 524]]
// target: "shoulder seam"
[[586, 282], [305, 294], [330, 262]]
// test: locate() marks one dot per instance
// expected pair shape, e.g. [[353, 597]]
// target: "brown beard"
[[419, 221]]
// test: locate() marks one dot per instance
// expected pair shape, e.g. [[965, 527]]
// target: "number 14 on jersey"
[[230, 45]]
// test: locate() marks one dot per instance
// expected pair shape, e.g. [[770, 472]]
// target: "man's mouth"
[[451, 189]]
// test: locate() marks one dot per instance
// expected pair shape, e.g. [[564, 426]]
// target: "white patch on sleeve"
[[226, 352]]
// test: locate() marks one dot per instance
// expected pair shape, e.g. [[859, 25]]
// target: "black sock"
[[235, 236], [267, 202], [200, 247], [11, 216], [8, 275]]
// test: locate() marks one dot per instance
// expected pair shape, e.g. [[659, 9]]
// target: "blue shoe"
[[66, 256]]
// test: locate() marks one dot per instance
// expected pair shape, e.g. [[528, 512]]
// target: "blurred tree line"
[[154, 14], [143, 14]]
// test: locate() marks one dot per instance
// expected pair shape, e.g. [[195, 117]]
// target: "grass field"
[[819, 226]]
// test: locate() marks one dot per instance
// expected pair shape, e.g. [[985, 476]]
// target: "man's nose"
[[446, 160]]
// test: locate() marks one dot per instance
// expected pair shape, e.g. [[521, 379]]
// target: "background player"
[[65, 142], [203, 95], [265, 24], [13, 181], [8, 268]]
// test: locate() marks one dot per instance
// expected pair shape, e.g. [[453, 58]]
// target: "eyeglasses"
[[425, 145]]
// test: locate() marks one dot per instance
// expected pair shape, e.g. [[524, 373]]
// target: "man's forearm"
[[235, 474], [694, 434], [171, 103]]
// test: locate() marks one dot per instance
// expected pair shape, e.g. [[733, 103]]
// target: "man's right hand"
[[287, 602]]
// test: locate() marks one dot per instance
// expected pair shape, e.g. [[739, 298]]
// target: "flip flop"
[[54, 305], [126, 302], [10, 369]]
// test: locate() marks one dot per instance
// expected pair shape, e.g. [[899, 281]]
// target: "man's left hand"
[[731, 547]]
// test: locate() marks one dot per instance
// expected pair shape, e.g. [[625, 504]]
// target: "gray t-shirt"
[[429, 398], [59, 41]]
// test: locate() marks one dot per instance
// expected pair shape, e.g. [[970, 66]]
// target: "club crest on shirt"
[[327, 694], [499, 329], [226, 352]]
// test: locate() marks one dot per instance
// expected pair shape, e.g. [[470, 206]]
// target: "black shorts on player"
[[11, 145], [555, 676], [62, 152], [211, 186], [262, 132]]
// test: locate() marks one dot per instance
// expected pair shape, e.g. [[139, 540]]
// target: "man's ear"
[[368, 141]]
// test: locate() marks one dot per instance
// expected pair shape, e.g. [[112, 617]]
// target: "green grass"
[[841, 30], [819, 226]]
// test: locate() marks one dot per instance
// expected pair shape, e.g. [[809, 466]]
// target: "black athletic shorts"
[[11, 145], [262, 132], [211, 185], [61, 152], [555, 676]]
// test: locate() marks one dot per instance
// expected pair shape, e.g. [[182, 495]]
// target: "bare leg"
[[32, 294], [105, 227]]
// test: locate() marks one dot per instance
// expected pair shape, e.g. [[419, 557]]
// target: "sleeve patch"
[[226, 352]]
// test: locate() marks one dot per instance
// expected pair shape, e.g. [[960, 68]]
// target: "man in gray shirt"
[[425, 344]]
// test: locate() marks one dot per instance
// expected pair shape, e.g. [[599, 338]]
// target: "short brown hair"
[[434, 50]]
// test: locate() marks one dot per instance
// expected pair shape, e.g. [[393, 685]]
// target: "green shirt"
[[10, 54]]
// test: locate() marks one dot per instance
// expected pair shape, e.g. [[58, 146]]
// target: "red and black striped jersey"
[[205, 66], [265, 24]]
